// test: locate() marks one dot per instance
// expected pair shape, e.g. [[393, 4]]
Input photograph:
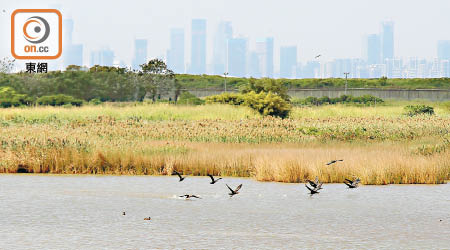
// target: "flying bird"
[[234, 192], [317, 56], [315, 183], [352, 184], [314, 190], [212, 179], [333, 161], [188, 196], [179, 175]]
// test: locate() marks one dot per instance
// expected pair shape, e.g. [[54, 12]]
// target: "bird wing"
[[348, 184], [195, 196], [212, 178], [340, 160], [319, 186], [312, 183], [349, 180], [179, 175], [308, 188], [230, 188], [238, 187]]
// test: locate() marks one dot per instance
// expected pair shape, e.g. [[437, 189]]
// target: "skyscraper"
[[387, 41], [198, 47], [254, 69], [237, 54], [72, 53], [443, 50], [269, 57], [140, 53], [103, 57], [175, 55], [373, 51], [288, 61], [223, 34]]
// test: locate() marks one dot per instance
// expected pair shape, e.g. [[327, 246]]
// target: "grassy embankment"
[[378, 144]]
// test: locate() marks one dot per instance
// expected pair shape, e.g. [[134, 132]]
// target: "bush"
[[187, 98], [265, 103], [348, 99], [9, 98], [95, 101], [413, 110], [59, 100]]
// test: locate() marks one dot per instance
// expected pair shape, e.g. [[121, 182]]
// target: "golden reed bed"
[[378, 149]]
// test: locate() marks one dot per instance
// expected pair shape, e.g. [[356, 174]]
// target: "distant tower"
[[269, 57], [198, 47], [373, 50], [237, 54], [103, 57], [175, 55], [288, 61], [72, 53], [223, 34], [140, 53], [387, 41], [443, 50]]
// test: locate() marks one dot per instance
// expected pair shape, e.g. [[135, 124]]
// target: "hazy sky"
[[329, 27]]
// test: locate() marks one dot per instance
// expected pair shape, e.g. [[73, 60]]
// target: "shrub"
[[187, 98], [265, 103], [412, 110], [9, 98], [59, 100], [95, 101]]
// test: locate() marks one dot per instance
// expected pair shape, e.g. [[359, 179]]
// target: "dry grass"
[[129, 140]]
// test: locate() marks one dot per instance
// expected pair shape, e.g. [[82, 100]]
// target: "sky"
[[332, 28]]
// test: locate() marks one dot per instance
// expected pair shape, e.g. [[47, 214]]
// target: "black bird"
[[188, 196], [179, 175], [333, 161], [317, 56], [314, 190], [315, 183], [212, 179], [352, 184], [234, 192], [123, 213]]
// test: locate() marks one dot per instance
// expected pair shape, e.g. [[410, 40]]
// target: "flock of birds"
[[314, 186]]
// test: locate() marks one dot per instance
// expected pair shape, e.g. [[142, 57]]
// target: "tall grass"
[[229, 141]]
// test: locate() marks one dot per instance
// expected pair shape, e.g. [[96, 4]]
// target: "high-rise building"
[[140, 53], [198, 47], [443, 50], [288, 61], [269, 57], [103, 57], [237, 54], [175, 55], [254, 69], [311, 69], [387, 40], [223, 34], [72, 53], [373, 50]]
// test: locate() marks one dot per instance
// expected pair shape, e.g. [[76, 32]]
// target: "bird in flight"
[[315, 183], [314, 190], [188, 196], [317, 56], [212, 179], [179, 175], [234, 192], [352, 184], [333, 161]]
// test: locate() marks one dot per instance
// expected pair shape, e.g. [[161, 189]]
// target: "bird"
[[148, 218], [123, 213], [333, 161], [315, 183], [179, 175], [314, 190], [317, 56], [352, 184], [212, 179], [188, 196], [234, 192]]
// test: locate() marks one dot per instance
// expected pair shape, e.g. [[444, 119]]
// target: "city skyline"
[[327, 40]]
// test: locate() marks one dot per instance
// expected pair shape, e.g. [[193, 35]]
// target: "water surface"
[[81, 212]]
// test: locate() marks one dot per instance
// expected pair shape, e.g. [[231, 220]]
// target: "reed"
[[227, 141]]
